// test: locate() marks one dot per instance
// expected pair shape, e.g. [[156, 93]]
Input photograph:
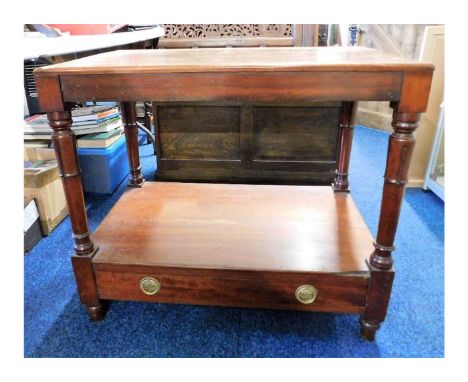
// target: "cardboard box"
[[32, 226], [38, 153], [42, 183]]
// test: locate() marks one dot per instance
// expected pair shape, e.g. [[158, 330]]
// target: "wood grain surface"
[[246, 143], [295, 133], [336, 293], [240, 227], [241, 245], [199, 132], [249, 87], [237, 60]]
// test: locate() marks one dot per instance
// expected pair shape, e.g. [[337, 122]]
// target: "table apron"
[[259, 86]]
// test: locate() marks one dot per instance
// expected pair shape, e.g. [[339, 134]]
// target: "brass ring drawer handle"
[[306, 294], [150, 285]]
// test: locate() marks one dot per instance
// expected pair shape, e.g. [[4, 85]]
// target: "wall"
[[406, 40]]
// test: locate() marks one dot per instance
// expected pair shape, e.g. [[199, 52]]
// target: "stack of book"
[[100, 140], [95, 126]]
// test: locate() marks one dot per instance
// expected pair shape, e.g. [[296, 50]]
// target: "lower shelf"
[[235, 245]]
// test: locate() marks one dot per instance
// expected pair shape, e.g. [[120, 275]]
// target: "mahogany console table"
[[268, 246]]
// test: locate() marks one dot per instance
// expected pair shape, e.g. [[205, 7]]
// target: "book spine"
[[99, 129], [36, 128], [107, 113], [94, 115], [107, 118], [32, 118], [87, 124]]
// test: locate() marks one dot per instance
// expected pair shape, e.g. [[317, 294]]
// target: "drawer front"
[[334, 293]]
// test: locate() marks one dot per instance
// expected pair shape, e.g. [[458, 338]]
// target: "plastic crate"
[[102, 170]]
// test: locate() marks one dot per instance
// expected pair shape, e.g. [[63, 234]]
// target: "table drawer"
[[330, 293]]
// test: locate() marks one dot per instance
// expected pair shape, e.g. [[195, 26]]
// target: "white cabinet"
[[435, 173]]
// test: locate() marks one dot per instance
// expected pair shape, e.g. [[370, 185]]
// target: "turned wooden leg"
[[129, 118], [345, 141], [147, 123], [64, 142], [400, 149]]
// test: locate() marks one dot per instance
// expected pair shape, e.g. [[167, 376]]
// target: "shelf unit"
[[285, 247]]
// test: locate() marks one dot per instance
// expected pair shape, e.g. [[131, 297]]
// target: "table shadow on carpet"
[[133, 329]]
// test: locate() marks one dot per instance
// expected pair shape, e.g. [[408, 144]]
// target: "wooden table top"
[[294, 59], [236, 227]]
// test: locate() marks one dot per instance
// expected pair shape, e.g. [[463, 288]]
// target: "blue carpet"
[[56, 325]]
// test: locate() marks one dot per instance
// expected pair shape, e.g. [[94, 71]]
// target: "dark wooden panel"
[[199, 132], [240, 103], [267, 172], [336, 293], [296, 133], [247, 143], [231, 86], [246, 131]]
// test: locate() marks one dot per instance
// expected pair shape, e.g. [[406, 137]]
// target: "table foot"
[[368, 329], [136, 183], [340, 187], [97, 312]]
